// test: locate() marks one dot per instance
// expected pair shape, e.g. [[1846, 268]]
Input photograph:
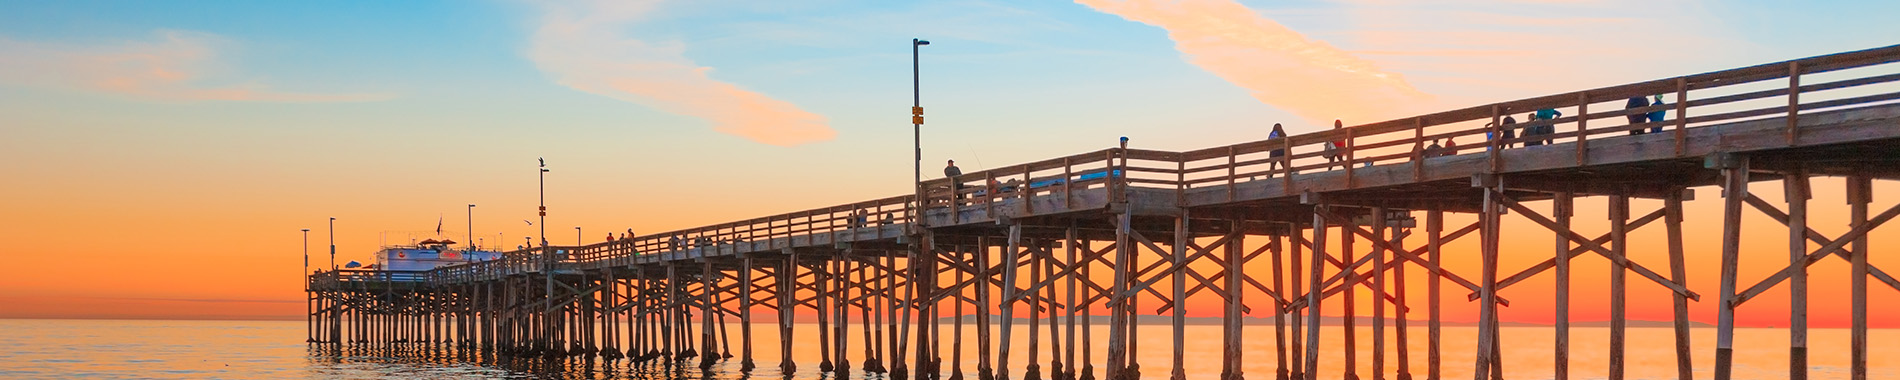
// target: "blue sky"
[[381, 113]]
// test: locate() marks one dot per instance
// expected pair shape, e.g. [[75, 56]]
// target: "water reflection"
[[404, 360]]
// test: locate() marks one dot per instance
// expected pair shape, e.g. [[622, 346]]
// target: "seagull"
[[528, 222]]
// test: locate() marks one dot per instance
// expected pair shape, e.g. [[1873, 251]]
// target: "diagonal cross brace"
[[1145, 285], [1836, 247], [1594, 246], [1411, 255], [1574, 252]]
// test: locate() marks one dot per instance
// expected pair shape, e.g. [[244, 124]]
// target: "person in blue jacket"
[[1636, 118], [1657, 116]]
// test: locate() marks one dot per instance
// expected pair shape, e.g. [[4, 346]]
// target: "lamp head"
[[306, 230], [919, 42]]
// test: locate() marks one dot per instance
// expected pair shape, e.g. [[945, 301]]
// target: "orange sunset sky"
[[159, 158]]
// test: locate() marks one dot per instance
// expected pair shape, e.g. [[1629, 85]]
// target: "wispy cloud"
[[582, 45], [173, 66], [1483, 51], [1281, 67]]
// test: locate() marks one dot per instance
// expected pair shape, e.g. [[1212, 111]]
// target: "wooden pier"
[[1127, 232]]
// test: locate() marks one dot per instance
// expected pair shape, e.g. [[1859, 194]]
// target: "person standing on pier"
[[1544, 114], [951, 172], [1636, 118], [1657, 115], [1335, 148], [1276, 154]]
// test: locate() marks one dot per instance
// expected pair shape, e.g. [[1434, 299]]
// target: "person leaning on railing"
[[1335, 149], [951, 172], [1277, 154]]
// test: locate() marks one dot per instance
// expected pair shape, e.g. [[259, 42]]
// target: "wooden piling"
[[1860, 191], [1734, 192], [1619, 250], [1679, 274], [1796, 191]]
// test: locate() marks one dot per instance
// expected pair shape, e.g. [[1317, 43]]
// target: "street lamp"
[[577, 236], [471, 227], [306, 251], [917, 126], [332, 244], [547, 254]]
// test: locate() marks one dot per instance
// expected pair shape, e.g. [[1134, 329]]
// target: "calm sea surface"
[[35, 349]]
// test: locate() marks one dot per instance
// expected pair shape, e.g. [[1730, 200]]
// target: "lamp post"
[[471, 227], [577, 237], [309, 311], [547, 254], [333, 244], [916, 129]]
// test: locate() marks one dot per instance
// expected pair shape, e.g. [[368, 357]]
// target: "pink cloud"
[[581, 45], [170, 68], [1279, 66]]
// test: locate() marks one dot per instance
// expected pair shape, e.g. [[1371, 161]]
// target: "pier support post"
[[1619, 251], [745, 313], [1487, 314], [1796, 191], [1678, 273], [787, 298], [1314, 289], [1118, 356], [1179, 275], [1734, 191], [1859, 193], [1011, 255], [1561, 211]]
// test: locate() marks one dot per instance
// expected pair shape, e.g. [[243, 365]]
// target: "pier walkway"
[[1122, 232]]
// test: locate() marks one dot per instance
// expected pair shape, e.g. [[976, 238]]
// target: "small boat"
[[428, 254]]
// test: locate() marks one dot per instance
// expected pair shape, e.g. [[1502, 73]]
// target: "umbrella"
[[352, 264]]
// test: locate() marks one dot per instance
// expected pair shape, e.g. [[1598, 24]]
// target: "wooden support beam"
[[1487, 314], [1619, 248], [1678, 273], [1795, 189], [1561, 209], [1179, 256], [1734, 190], [1011, 253], [1859, 192], [1311, 364]]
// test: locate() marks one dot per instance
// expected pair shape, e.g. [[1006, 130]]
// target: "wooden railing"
[[1775, 90]]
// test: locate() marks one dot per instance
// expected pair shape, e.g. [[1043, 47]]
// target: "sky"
[[161, 157]]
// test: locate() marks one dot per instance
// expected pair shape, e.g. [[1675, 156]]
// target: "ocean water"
[[116, 349]]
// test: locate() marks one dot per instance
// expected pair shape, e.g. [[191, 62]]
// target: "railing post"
[[989, 194], [1349, 157], [1418, 149], [1491, 139], [1026, 192], [1583, 128], [1068, 179], [1286, 165], [1230, 173], [1682, 114], [1794, 99]]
